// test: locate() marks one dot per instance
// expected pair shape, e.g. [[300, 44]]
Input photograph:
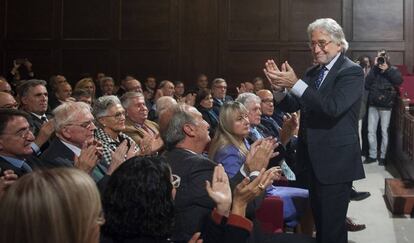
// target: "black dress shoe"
[[358, 196], [369, 160], [352, 226], [381, 162]]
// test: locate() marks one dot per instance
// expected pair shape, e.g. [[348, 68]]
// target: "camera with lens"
[[382, 57]]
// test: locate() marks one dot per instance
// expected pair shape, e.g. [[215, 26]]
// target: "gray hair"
[[248, 98], [102, 80], [333, 29], [126, 98], [174, 132], [69, 112], [101, 105], [164, 102], [24, 87], [217, 81]]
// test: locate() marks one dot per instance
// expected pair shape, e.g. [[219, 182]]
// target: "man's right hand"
[[88, 158]]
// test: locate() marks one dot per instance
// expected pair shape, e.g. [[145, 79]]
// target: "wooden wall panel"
[[378, 20], [300, 61], [86, 19], [145, 20], [303, 12], [29, 19], [245, 65], [245, 22], [198, 46], [177, 39], [141, 63], [77, 62]]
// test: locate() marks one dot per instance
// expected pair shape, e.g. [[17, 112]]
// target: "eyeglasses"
[[22, 133], [176, 180], [118, 115], [86, 125], [101, 219], [321, 44], [220, 87]]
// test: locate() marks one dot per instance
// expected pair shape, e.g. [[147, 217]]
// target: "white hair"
[[332, 28]]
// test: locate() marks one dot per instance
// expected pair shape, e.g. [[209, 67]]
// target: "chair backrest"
[[403, 69], [407, 88], [270, 215]]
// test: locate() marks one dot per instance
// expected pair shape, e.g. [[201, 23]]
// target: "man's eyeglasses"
[[118, 115], [22, 133], [176, 180], [321, 44], [86, 125]]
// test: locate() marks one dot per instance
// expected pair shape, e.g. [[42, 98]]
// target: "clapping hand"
[[290, 126], [8, 178], [260, 153], [285, 77], [219, 190]]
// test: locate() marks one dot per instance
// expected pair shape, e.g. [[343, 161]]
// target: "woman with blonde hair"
[[58, 205], [87, 84], [230, 148]]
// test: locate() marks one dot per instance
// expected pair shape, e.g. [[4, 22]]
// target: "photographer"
[[21, 70], [380, 82]]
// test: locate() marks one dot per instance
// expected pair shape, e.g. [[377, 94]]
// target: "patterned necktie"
[[26, 167], [318, 81]]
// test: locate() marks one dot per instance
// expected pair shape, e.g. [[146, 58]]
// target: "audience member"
[[258, 84], [5, 87], [34, 100], [16, 139], [88, 84], [179, 91], [74, 144], [163, 103], [202, 82], [110, 119], [8, 101], [219, 90], [63, 94], [204, 104], [165, 88], [107, 85], [82, 95], [185, 135], [144, 132], [132, 85], [49, 206]]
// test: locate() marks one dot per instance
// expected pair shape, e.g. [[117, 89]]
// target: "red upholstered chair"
[[407, 88], [403, 69], [270, 215]]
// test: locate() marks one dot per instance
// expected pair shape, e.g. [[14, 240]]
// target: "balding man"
[[163, 103], [185, 134], [5, 87], [8, 101]]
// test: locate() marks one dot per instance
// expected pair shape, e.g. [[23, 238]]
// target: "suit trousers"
[[329, 204]]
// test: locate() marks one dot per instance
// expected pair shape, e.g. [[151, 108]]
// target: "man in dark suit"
[[329, 97], [34, 100], [74, 145], [219, 93], [16, 138], [185, 134]]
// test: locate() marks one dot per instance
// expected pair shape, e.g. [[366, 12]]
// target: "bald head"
[[164, 103], [7, 101], [5, 86], [267, 104]]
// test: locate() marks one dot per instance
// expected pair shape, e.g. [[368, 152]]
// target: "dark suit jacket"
[[32, 161], [59, 155], [329, 123], [192, 203], [217, 104]]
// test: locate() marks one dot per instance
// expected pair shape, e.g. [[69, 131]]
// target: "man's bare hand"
[[88, 158]]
